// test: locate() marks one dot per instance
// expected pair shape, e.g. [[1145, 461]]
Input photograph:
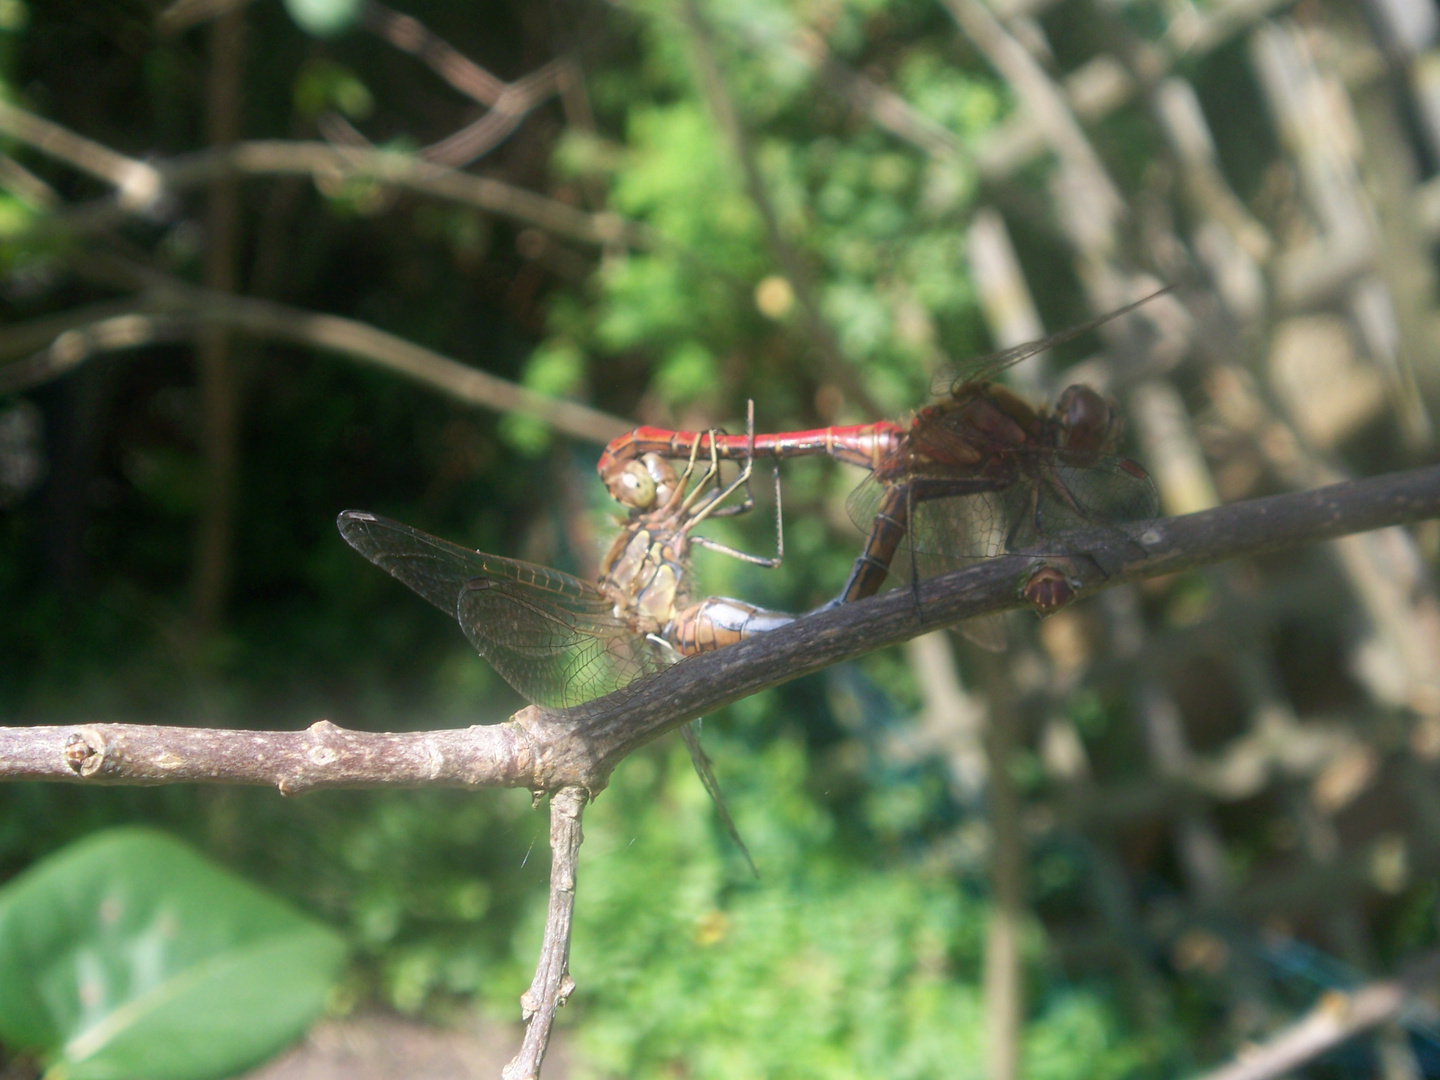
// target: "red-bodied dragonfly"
[[560, 641], [978, 473]]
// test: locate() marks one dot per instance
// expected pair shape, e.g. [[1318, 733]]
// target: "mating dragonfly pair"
[[979, 473]]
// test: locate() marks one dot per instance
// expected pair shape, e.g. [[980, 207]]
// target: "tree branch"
[[176, 311], [141, 185], [547, 751], [553, 985], [321, 756], [1336, 1018]]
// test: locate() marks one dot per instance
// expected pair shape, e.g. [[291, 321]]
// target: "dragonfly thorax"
[[644, 577]]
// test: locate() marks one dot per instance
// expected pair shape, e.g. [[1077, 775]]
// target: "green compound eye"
[[636, 487]]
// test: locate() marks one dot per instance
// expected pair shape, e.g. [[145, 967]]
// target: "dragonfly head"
[[1089, 423], [643, 484]]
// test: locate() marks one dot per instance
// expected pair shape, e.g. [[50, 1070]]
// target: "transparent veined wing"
[[960, 518], [1114, 494], [551, 636], [984, 368]]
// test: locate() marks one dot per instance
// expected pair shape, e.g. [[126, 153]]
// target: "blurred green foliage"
[[831, 965]]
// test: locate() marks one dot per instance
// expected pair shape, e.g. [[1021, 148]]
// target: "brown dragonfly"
[[560, 641], [978, 473]]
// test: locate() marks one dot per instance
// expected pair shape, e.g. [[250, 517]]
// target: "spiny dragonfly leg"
[[712, 476], [678, 498], [743, 479], [770, 563]]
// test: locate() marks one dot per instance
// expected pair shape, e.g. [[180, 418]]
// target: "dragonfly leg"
[[769, 562], [678, 499], [742, 480], [711, 476], [748, 503]]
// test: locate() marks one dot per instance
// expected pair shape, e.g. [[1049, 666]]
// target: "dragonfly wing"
[[963, 527], [968, 525], [1065, 498], [551, 636], [701, 760], [984, 368], [555, 651], [1117, 490], [434, 568], [863, 503]]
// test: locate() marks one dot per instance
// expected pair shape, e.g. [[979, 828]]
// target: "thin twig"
[[1336, 1018], [26, 186], [278, 157], [141, 184], [176, 316], [476, 138], [411, 36], [514, 103], [137, 183], [508, 102], [553, 985]]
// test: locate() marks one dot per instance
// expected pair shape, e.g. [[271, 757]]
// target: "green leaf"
[[128, 954]]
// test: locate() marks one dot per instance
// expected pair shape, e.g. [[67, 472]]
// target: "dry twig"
[[181, 312], [553, 985], [1336, 1018], [142, 185]]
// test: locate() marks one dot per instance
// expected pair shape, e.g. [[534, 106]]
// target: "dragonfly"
[[560, 641], [978, 473]]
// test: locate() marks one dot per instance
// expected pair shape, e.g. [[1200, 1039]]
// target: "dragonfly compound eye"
[[634, 487], [1087, 420], [662, 477]]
